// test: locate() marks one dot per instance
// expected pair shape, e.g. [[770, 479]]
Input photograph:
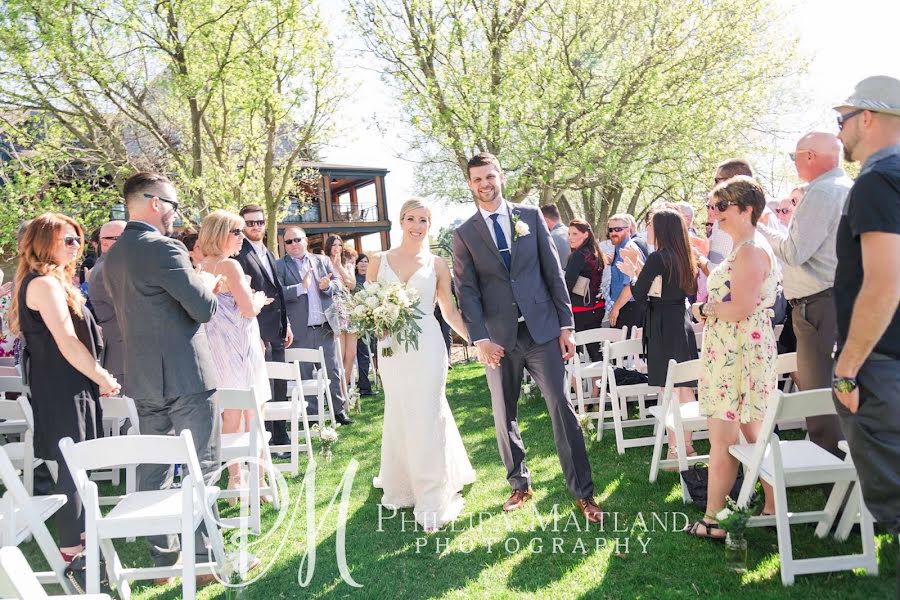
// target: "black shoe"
[[343, 419], [281, 455], [368, 393]]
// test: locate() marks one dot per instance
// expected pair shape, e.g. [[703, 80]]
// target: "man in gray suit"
[[309, 284], [101, 303], [161, 304], [559, 233], [516, 307]]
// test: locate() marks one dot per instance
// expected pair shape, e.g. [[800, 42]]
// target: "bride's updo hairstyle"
[[415, 204]]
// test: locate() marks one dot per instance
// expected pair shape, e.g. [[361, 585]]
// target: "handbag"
[[582, 286], [696, 479]]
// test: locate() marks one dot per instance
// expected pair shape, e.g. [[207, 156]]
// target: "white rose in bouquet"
[[393, 312], [372, 302], [372, 287]]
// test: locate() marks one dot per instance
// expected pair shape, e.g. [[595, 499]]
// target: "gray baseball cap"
[[878, 94]]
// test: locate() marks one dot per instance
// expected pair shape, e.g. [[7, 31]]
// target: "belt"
[[807, 299], [318, 326]]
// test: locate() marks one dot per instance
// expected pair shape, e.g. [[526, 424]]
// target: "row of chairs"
[[158, 512], [782, 464]]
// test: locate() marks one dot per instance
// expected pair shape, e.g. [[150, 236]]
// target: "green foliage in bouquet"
[[387, 312]]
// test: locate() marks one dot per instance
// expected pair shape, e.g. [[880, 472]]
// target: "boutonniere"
[[520, 228]]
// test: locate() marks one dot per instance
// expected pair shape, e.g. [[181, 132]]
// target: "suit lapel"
[[259, 263], [482, 229], [292, 267]]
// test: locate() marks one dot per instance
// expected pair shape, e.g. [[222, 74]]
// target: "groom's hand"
[[489, 353], [567, 343]]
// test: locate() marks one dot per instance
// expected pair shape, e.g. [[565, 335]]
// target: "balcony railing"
[[344, 213]]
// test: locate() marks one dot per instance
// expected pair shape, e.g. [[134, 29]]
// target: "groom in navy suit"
[[516, 308]]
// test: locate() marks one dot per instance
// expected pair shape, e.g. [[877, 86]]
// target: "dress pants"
[[199, 414]]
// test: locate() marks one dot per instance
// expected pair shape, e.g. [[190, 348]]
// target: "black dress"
[[668, 333], [64, 401]]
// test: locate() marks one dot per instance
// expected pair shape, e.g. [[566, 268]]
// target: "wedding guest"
[[334, 250], [309, 285], [364, 351], [259, 263], [193, 248], [807, 251], [558, 232], [60, 359], [668, 333], [233, 332], [349, 339], [162, 304], [584, 272], [866, 380], [625, 312], [737, 379], [104, 311]]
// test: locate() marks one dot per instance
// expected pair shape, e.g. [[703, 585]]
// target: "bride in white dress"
[[423, 462]]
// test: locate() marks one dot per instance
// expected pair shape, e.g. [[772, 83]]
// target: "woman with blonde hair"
[[234, 339], [60, 357], [423, 461]]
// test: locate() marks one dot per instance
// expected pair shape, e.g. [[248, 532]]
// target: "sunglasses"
[[166, 200], [783, 211], [71, 241], [293, 241], [110, 238], [793, 155], [616, 229], [841, 119], [236, 232], [722, 205], [251, 223]]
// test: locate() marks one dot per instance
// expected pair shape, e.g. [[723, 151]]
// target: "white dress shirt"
[[505, 221], [263, 255]]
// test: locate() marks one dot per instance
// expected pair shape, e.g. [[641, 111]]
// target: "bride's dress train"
[[423, 462]]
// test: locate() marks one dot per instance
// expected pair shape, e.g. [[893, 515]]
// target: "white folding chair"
[[672, 414], [238, 447], [17, 580], [583, 386], [23, 516], [851, 513], [319, 385], [177, 510], [116, 409], [292, 411], [786, 364], [784, 464], [11, 385], [624, 354], [21, 454], [698, 334]]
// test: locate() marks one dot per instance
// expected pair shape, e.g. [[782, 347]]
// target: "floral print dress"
[[738, 377]]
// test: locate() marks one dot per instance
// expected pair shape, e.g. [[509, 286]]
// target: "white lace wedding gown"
[[423, 462]]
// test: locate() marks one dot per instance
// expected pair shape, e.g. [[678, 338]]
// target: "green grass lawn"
[[491, 555]]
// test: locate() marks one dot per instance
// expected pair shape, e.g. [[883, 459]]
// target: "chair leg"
[[189, 576], [92, 555], [114, 569], [851, 512], [783, 527], [838, 493], [867, 533], [618, 430], [660, 429]]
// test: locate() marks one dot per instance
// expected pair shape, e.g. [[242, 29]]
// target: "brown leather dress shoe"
[[517, 500], [592, 513]]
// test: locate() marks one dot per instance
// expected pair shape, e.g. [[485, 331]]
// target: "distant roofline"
[[327, 167]]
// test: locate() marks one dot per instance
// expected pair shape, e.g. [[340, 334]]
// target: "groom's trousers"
[[545, 364]]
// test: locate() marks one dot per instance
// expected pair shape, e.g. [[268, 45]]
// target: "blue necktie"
[[501, 241]]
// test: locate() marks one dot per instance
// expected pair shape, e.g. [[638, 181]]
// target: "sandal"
[[672, 454], [694, 530]]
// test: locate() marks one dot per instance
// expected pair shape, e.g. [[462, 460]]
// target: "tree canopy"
[[599, 105], [225, 98]]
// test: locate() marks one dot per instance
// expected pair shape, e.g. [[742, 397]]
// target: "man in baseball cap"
[[867, 293]]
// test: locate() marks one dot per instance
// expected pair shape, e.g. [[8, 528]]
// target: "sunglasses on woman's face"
[[71, 241], [236, 232], [615, 229], [722, 205]]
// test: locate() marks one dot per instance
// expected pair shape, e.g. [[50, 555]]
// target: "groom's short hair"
[[481, 159]]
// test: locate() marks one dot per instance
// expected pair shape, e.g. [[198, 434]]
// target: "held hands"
[[489, 353], [567, 343], [695, 311], [109, 386]]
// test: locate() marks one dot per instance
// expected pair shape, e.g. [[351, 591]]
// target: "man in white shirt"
[[807, 251]]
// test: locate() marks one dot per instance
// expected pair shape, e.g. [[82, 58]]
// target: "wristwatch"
[[845, 385]]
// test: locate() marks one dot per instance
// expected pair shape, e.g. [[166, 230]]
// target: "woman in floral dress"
[[738, 376]]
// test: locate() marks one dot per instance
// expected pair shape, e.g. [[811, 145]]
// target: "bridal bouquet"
[[387, 311]]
